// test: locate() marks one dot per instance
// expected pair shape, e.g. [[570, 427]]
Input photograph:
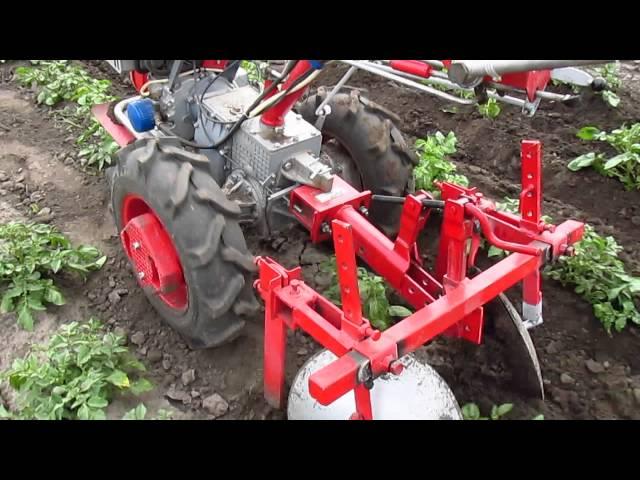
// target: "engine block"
[[263, 156]]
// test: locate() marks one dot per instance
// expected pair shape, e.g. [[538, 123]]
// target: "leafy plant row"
[[596, 274], [58, 82]]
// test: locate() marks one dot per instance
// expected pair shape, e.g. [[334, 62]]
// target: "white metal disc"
[[418, 393]]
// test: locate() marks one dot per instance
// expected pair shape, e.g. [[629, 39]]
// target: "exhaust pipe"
[[470, 72]]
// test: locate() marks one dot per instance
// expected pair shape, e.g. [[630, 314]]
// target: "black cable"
[[436, 204]]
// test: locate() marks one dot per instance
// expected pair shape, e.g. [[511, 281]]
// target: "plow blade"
[[522, 354], [418, 393]]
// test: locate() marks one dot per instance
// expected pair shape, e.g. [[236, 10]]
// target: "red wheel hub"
[[152, 253]]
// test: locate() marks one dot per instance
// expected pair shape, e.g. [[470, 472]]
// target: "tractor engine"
[[256, 164]]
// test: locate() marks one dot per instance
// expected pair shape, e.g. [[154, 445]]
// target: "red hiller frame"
[[447, 302]]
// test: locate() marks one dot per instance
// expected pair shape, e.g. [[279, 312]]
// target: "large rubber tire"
[[381, 160], [202, 224]]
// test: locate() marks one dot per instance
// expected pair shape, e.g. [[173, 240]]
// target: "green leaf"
[[100, 262], [470, 411], [581, 162], [588, 133], [83, 412], [617, 160], [503, 409], [84, 354], [538, 417], [56, 264], [97, 402], [495, 252], [138, 413], [53, 295], [399, 311], [25, 319], [141, 386], [611, 98], [7, 299], [4, 413], [119, 379]]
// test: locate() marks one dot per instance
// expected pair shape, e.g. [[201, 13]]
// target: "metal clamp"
[[307, 169]]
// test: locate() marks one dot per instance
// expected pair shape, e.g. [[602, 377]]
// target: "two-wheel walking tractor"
[[207, 153]]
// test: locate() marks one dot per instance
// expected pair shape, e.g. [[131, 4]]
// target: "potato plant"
[[625, 165], [59, 81], [76, 375], [373, 295], [434, 166], [31, 255]]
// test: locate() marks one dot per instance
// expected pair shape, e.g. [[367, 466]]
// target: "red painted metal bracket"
[[120, 134]]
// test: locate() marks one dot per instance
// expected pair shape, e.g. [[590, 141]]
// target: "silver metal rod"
[[446, 83], [464, 72], [540, 93], [396, 78], [345, 78], [434, 63]]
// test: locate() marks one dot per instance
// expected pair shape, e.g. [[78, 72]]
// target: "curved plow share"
[[386, 380]]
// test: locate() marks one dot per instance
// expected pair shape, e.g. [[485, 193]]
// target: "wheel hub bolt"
[[141, 275], [136, 245]]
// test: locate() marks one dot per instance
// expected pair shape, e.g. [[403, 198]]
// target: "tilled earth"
[[588, 374]]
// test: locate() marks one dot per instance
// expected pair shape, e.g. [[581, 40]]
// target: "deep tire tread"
[[376, 146], [202, 223]]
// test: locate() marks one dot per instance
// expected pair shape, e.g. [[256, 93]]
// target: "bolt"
[[140, 275], [396, 367], [364, 211], [373, 333], [295, 287], [287, 165], [325, 228], [136, 245]]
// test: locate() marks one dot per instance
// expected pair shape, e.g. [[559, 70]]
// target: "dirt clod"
[[593, 366], [167, 361], [312, 255], [119, 331], [567, 379], [178, 395], [137, 338], [188, 377], [154, 355], [116, 295], [215, 405]]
